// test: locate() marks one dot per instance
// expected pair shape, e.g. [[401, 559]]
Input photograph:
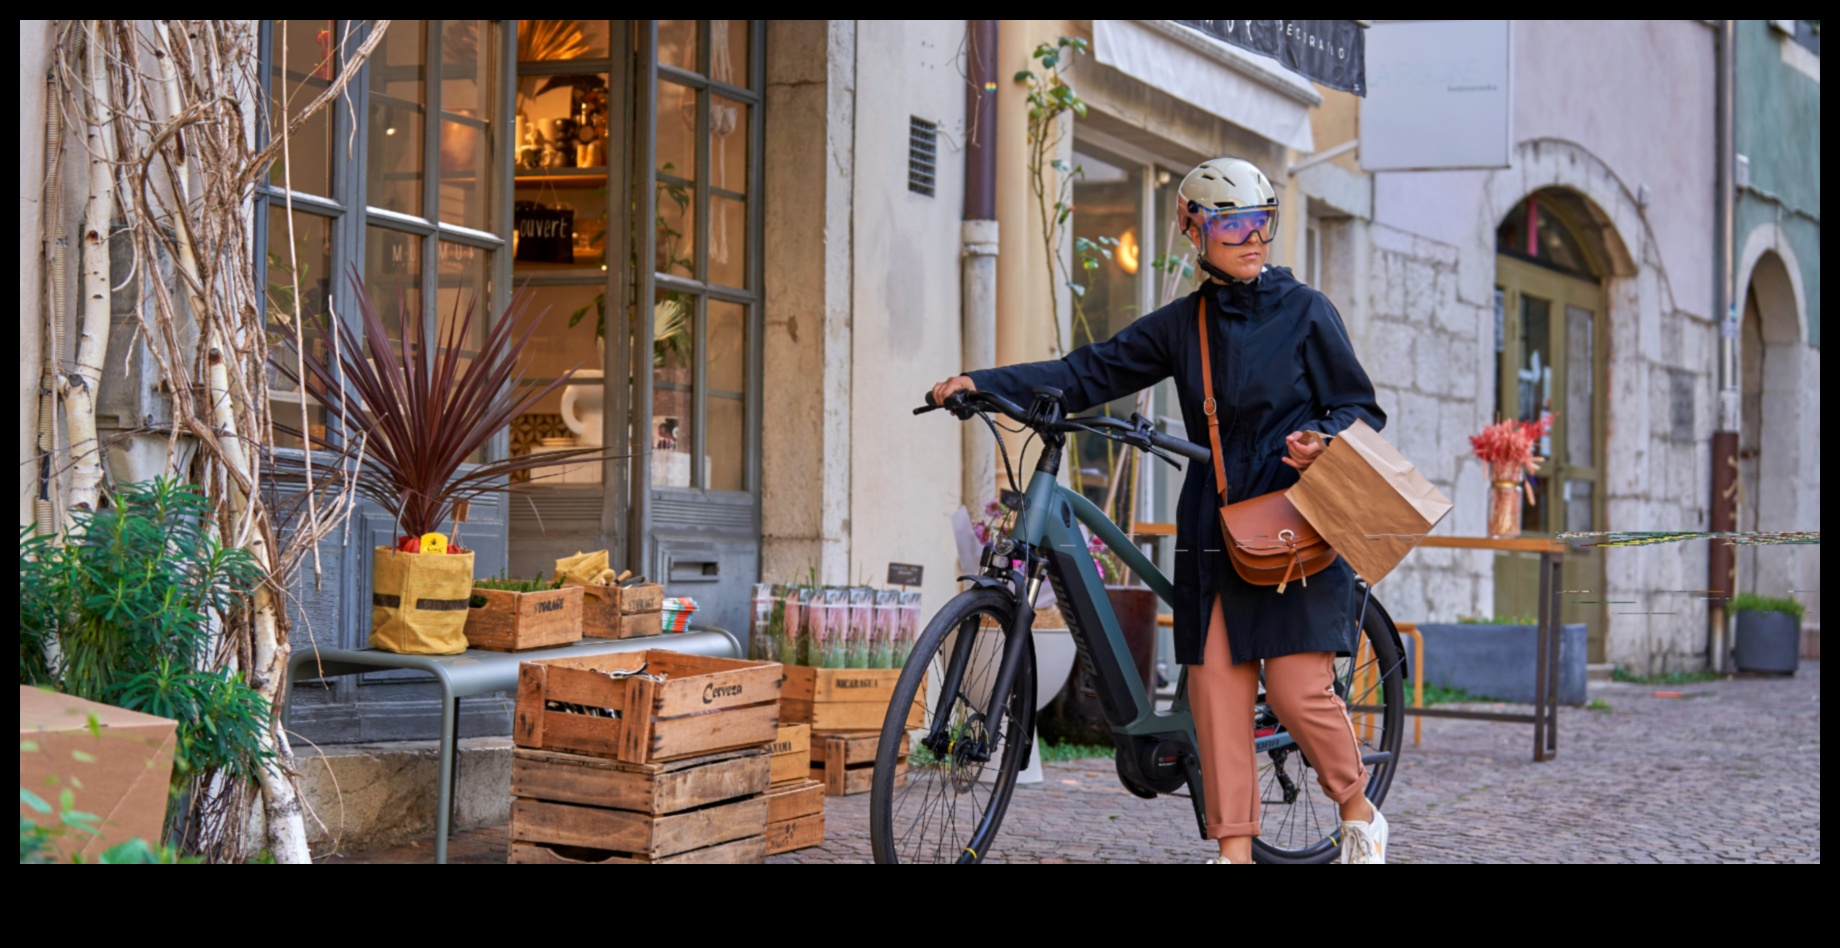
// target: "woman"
[[1282, 366]]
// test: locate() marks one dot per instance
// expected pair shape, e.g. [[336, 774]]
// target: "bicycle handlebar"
[[1139, 433]]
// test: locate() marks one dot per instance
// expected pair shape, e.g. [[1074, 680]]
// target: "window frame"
[[700, 288], [346, 209]]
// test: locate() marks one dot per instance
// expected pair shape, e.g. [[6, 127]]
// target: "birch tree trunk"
[[79, 386]]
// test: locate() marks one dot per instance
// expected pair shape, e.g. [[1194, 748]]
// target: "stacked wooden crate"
[[795, 802], [845, 708], [622, 612], [644, 757]]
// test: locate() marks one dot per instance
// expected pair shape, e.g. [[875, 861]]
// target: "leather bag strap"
[[1209, 407]]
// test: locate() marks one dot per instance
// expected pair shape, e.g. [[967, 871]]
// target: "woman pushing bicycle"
[[1281, 378]]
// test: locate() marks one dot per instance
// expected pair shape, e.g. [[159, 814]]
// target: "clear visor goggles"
[[1236, 226]]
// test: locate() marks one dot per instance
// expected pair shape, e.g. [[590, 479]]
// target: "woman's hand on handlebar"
[[952, 386]]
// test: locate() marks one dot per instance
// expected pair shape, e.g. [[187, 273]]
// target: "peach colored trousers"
[[1300, 689]]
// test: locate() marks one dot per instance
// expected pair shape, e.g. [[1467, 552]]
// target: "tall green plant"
[[414, 412], [129, 598]]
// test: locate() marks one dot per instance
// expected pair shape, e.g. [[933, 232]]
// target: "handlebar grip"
[[1180, 448]]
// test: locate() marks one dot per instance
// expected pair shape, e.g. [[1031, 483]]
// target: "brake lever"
[[1167, 459]]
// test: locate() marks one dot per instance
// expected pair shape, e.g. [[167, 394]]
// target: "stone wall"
[[1430, 354]]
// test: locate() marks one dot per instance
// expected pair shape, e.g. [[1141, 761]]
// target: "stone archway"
[[1658, 412], [1779, 426]]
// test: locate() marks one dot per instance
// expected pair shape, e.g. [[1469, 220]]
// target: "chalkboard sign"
[[544, 234], [904, 574]]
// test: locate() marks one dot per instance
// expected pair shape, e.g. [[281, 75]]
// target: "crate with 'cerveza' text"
[[645, 706]]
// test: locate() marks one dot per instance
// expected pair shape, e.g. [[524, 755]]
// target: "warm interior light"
[[1127, 250], [390, 131]]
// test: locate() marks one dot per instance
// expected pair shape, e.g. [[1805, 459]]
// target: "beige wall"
[[906, 329]]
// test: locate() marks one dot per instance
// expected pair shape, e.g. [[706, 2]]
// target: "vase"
[[1505, 486]]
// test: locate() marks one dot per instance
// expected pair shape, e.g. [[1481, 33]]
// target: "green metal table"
[[479, 672]]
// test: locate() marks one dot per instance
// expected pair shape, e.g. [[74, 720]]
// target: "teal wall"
[[1778, 118]]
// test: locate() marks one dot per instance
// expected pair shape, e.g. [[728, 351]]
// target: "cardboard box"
[[124, 767]]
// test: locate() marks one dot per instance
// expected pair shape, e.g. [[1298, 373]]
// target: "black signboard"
[[544, 234], [904, 574], [1332, 52]]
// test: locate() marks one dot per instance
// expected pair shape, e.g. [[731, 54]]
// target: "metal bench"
[[479, 672]]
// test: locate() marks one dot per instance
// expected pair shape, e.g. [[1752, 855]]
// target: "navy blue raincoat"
[[1282, 363]]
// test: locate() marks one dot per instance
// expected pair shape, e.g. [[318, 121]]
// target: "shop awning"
[[1249, 90]]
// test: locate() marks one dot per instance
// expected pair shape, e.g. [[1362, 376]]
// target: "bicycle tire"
[[896, 814], [1288, 835]]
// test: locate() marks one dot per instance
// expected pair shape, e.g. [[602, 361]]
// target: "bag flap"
[[1268, 524]]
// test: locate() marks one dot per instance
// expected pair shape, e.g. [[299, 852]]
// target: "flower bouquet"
[[1507, 448]]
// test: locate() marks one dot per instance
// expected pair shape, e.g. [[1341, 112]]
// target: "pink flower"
[[993, 509], [982, 532]]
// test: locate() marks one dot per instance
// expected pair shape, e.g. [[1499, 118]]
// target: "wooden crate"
[[702, 705], [515, 621], [652, 788], [578, 809], [795, 816], [749, 850], [845, 762], [792, 753], [842, 699], [606, 610]]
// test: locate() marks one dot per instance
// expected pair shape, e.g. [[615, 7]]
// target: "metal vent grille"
[[922, 155]]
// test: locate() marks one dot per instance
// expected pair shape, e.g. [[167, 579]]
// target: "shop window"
[[704, 284], [404, 191]]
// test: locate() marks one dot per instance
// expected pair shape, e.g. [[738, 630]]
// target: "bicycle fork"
[[976, 744]]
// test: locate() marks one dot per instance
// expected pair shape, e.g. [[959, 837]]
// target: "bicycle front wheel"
[[943, 805]]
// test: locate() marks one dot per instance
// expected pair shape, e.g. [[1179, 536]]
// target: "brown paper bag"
[[419, 601], [1368, 501]]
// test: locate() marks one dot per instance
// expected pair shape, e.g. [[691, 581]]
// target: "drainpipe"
[[978, 261], [1722, 562]]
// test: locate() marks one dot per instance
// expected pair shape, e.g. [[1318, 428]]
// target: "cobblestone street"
[[1730, 771]]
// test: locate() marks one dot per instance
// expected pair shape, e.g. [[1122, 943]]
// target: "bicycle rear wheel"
[[946, 806], [1298, 824]]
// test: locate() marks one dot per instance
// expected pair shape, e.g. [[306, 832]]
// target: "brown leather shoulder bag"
[[1269, 542]]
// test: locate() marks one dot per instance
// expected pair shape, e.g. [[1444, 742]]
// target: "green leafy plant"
[[1622, 674], [1528, 619], [1054, 752], [1050, 97], [1752, 602], [129, 599], [414, 412]]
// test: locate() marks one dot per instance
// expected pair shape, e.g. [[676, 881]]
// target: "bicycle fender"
[[1392, 629]]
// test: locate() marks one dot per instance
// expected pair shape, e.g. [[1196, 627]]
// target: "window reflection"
[[673, 388], [393, 167], [302, 65], [298, 286]]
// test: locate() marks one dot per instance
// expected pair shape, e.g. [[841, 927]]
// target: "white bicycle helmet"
[[1229, 200]]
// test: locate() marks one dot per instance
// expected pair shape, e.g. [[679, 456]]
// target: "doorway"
[[621, 122], [1551, 342]]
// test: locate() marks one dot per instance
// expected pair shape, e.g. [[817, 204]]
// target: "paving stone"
[[1731, 774]]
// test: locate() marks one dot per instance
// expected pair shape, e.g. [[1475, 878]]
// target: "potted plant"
[[1494, 657], [411, 415], [1769, 635]]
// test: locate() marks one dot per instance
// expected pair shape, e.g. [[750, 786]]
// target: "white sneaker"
[[1219, 859], [1364, 842]]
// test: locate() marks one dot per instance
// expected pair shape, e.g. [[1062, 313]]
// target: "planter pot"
[[419, 601], [1073, 717], [1768, 642], [1498, 661]]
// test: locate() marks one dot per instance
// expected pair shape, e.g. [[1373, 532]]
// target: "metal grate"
[[922, 155]]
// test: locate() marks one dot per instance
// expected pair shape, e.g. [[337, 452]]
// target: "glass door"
[[696, 323], [569, 126], [1552, 355]]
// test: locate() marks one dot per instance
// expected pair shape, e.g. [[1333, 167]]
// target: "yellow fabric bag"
[[419, 601]]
